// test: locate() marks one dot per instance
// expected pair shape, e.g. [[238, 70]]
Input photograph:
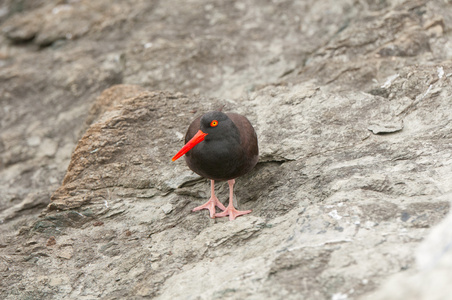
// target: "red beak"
[[198, 138]]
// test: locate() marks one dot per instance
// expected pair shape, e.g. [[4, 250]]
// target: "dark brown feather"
[[241, 160]]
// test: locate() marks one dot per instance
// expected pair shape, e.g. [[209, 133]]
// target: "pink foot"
[[210, 205], [232, 213]]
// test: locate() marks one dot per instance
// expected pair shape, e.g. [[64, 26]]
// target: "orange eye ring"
[[213, 123]]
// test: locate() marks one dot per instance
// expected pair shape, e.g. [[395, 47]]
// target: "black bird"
[[220, 147]]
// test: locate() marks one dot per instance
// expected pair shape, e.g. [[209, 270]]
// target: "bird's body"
[[224, 156], [220, 147]]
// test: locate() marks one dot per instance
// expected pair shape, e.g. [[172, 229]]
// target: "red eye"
[[213, 123]]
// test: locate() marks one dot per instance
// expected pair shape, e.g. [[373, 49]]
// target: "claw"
[[210, 205], [232, 213]]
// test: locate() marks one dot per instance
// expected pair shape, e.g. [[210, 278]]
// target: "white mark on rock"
[[426, 92], [80, 214], [57, 9], [369, 224], [339, 296], [440, 71], [333, 214], [179, 135], [389, 81], [33, 141]]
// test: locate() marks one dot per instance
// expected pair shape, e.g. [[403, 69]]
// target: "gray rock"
[[385, 128], [96, 98], [167, 208], [429, 280]]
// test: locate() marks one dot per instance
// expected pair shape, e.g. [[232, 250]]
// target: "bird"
[[220, 146]]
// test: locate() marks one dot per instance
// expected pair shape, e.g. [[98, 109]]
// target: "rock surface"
[[351, 104]]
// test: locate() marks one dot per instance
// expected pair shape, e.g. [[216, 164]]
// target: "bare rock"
[[109, 99], [351, 104], [433, 267], [167, 208], [114, 152], [385, 128], [55, 21]]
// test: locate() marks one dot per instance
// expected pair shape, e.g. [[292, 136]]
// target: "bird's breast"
[[218, 161]]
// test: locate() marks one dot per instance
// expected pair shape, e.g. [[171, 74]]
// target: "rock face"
[[351, 104]]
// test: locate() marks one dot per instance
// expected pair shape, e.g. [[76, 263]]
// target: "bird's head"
[[214, 125]]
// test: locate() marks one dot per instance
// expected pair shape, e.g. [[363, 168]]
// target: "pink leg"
[[230, 210], [213, 201]]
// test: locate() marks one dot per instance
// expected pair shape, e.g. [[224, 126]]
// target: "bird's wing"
[[249, 142]]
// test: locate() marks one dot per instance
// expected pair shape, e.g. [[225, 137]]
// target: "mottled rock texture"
[[351, 101]]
